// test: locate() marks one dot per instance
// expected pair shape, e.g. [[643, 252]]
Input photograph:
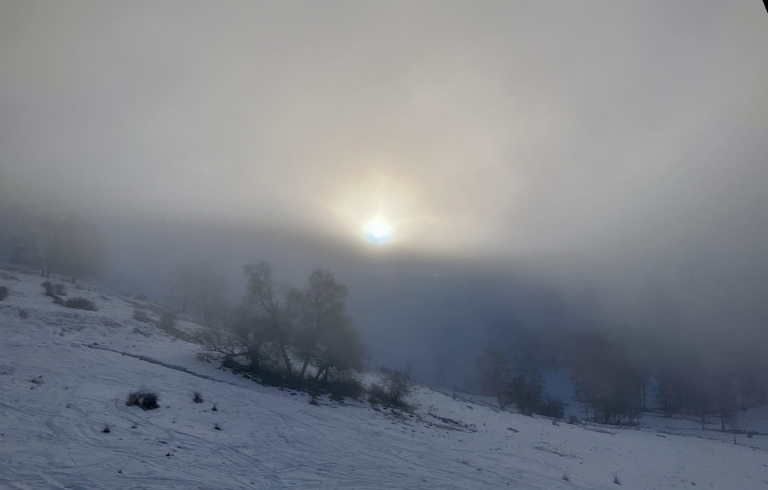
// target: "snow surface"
[[64, 377]]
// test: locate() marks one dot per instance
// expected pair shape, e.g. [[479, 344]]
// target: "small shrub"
[[550, 408], [377, 395], [142, 316], [573, 420], [143, 399], [4, 292], [340, 389], [80, 304], [314, 401], [48, 288], [197, 397], [217, 426], [565, 477], [616, 480], [397, 384], [106, 429], [168, 321], [230, 363], [214, 409], [59, 289]]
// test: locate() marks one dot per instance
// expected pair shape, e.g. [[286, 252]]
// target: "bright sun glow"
[[378, 231]]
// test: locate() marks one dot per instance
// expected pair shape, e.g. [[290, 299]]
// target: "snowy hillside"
[[64, 378]]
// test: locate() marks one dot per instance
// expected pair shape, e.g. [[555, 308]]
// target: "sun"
[[377, 231]]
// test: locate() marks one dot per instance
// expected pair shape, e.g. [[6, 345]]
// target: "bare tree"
[[324, 334], [526, 388], [265, 299], [237, 338], [495, 374], [198, 289], [606, 379], [274, 322]]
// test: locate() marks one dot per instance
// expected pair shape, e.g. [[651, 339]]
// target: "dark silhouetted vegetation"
[[517, 382], [396, 385], [80, 304], [146, 400], [142, 316], [606, 380], [275, 326]]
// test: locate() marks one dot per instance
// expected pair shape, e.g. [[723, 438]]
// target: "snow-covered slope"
[[64, 377]]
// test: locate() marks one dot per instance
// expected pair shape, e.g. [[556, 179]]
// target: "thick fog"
[[542, 165]]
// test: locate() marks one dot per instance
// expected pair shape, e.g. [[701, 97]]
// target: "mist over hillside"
[[69, 376], [547, 205]]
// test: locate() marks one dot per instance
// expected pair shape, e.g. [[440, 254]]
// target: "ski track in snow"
[[64, 374]]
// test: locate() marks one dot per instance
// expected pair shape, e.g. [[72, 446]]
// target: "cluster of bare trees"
[[198, 290], [515, 381], [706, 378], [618, 376], [712, 387], [288, 332], [606, 380]]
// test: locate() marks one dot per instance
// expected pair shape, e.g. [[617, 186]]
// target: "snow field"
[[63, 378]]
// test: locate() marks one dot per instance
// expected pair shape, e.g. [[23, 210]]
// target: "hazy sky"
[[618, 144]]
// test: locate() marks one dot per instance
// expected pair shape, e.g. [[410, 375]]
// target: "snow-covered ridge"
[[65, 375]]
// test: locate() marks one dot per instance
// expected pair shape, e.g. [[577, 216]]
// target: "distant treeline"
[[618, 376]]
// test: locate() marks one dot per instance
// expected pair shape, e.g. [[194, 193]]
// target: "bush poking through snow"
[[80, 304], [565, 477], [168, 321], [217, 426], [214, 409], [143, 399], [377, 395], [106, 429], [50, 290], [198, 398], [142, 316], [344, 388], [549, 407], [4, 292], [616, 480], [397, 385]]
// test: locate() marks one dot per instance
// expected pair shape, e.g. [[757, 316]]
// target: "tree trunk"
[[319, 373], [304, 368], [286, 360]]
